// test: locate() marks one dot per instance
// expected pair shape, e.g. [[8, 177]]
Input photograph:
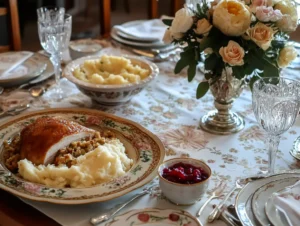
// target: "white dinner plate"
[[132, 37], [47, 73], [29, 69], [155, 217], [243, 199], [262, 194], [116, 37], [143, 147]]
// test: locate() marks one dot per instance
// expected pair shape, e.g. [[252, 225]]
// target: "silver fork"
[[216, 193]]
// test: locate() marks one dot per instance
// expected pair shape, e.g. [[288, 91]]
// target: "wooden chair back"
[[153, 7], [105, 13], [10, 37]]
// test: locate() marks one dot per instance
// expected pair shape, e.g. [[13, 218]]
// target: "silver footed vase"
[[222, 120]]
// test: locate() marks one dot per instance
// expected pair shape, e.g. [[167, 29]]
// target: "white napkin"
[[287, 202], [10, 61], [150, 29]]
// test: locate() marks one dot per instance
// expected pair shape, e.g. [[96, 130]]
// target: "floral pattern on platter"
[[143, 147], [158, 217]]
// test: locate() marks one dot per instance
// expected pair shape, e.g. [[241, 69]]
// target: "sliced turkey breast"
[[42, 139]]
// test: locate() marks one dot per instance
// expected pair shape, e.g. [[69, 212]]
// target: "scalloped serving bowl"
[[111, 94]]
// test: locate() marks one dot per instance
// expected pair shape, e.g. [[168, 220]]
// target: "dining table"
[[168, 107]]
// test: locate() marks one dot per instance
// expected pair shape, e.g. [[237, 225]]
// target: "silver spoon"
[[238, 185], [15, 110], [112, 212], [37, 91], [1, 90]]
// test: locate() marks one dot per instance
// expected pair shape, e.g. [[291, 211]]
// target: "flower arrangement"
[[248, 37]]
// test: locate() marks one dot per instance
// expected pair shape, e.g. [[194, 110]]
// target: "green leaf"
[[270, 70], [167, 22], [211, 62], [238, 72], [206, 43], [192, 70], [186, 58], [202, 89]]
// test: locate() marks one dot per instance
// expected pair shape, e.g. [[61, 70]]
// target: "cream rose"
[[286, 56], [183, 21], [203, 27], [233, 54], [288, 23], [168, 36], [232, 17], [262, 35]]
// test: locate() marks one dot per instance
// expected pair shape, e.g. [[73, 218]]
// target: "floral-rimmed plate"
[[141, 145], [155, 217], [29, 69], [262, 194], [244, 197]]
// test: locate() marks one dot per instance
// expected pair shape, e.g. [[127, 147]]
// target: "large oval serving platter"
[[141, 145]]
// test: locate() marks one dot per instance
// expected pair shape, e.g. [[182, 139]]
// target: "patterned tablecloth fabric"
[[168, 107]]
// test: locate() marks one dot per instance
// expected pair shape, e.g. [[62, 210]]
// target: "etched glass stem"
[[55, 59], [273, 142]]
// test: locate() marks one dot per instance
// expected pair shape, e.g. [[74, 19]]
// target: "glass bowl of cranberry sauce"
[[184, 180]]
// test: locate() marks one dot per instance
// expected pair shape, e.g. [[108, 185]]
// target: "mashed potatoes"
[[110, 70], [102, 164]]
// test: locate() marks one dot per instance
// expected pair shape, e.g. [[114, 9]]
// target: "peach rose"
[[203, 27], [233, 54], [262, 35]]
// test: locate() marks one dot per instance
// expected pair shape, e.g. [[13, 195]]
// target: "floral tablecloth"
[[168, 108]]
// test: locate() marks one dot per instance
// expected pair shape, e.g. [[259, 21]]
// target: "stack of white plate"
[[22, 67], [145, 34], [254, 203]]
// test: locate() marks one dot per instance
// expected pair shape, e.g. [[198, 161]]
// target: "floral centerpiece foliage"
[[250, 37]]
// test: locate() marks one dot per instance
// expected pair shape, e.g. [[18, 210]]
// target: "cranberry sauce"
[[184, 173]]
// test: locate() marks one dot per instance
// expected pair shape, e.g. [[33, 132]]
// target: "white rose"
[[286, 56], [266, 14], [233, 54], [232, 17], [183, 21], [203, 27], [288, 23], [176, 35], [168, 37], [261, 34]]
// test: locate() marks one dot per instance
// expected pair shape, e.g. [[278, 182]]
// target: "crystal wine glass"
[[275, 104], [54, 27]]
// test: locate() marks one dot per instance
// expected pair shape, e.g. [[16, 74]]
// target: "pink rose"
[[257, 3], [266, 14]]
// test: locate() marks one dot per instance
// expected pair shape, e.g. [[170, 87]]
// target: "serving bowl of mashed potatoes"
[[110, 80]]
